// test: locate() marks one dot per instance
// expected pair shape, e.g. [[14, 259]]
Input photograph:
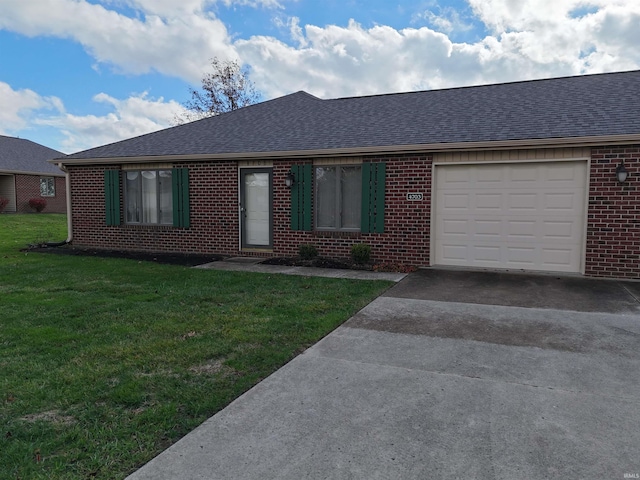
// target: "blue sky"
[[80, 73]]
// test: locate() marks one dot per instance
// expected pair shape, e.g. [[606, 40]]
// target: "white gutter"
[[67, 182]]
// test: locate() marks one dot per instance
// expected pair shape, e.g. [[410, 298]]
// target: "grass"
[[106, 362]]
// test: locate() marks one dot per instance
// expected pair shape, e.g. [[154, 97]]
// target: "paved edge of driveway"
[[504, 411]]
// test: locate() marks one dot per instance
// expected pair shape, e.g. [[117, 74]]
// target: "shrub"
[[307, 251], [38, 204], [361, 253], [3, 203]]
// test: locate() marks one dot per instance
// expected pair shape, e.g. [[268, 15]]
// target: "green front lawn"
[[106, 362]]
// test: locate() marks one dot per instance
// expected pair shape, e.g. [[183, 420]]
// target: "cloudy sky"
[[80, 73]]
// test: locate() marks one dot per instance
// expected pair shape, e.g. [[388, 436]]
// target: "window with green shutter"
[[151, 197], [349, 198]]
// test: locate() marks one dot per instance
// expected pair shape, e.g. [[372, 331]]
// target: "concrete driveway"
[[450, 374]]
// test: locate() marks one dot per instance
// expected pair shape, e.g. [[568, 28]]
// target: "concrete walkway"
[[429, 388], [252, 264]]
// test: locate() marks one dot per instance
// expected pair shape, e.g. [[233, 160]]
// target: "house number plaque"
[[413, 197]]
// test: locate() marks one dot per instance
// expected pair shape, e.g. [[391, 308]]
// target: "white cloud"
[[176, 41], [545, 32], [292, 24], [354, 61], [136, 115], [527, 39], [22, 110], [254, 3], [447, 20], [18, 107]]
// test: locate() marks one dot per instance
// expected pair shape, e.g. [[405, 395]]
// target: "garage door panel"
[[555, 230], [455, 254], [522, 201], [561, 201], [523, 257], [485, 253], [487, 228], [488, 175], [564, 173], [456, 202], [456, 176], [557, 257], [455, 227], [488, 202], [528, 216], [523, 175], [521, 229]]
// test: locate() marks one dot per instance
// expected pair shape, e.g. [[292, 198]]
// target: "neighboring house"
[[25, 173], [518, 176]]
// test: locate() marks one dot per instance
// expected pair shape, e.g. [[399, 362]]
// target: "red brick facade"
[[613, 230], [613, 226], [28, 187]]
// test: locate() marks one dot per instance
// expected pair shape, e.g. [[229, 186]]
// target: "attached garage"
[[537, 175], [527, 215]]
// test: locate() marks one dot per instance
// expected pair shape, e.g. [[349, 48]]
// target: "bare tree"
[[227, 88]]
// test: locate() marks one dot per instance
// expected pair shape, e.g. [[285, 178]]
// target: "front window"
[[47, 187], [338, 197], [148, 197]]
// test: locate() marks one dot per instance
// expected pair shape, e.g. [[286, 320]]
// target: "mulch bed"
[[191, 260], [319, 262], [188, 260]]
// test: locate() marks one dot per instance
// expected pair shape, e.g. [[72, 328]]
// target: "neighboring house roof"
[[539, 112], [18, 155]]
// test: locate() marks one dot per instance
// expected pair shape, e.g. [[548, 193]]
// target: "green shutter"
[[180, 192], [373, 185], [301, 197], [112, 196]]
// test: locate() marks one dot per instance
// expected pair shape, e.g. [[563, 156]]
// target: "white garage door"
[[517, 216]]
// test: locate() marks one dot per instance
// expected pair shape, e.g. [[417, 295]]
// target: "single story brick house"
[[519, 176], [25, 173]]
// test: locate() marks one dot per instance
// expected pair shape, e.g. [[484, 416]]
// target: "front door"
[[255, 207]]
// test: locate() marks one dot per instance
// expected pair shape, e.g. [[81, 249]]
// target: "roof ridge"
[[497, 84]]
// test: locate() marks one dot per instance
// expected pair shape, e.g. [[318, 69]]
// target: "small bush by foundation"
[[38, 204], [361, 253], [307, 251]]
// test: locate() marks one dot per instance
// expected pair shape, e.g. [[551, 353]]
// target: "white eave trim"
[[604, 140]]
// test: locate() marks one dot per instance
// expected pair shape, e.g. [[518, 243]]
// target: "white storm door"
[[527, 216], [255, 207]]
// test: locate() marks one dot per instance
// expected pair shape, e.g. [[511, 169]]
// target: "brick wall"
[[28, 187], [613, 225], [406, 236], [215, 224], [213, 206]]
